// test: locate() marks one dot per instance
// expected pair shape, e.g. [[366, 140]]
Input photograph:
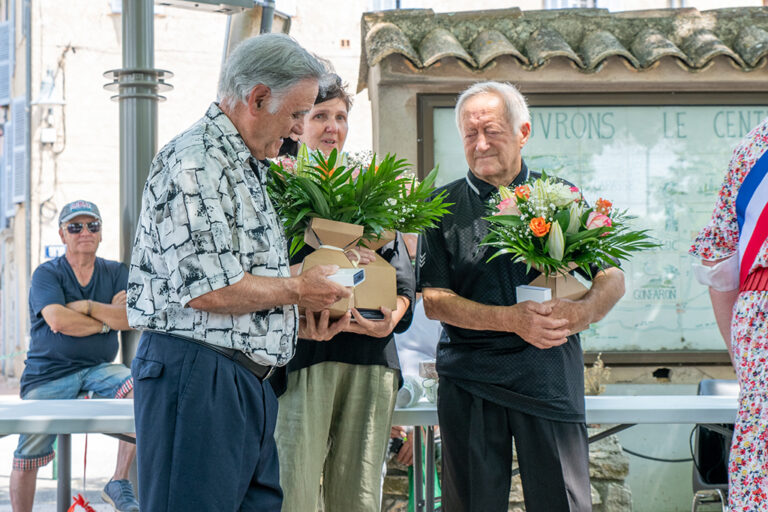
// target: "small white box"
[[348, 276], [533, 293]]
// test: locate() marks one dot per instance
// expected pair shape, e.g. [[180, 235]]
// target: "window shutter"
[[20, 170], [3, 185], [7, 203], [5, 62]]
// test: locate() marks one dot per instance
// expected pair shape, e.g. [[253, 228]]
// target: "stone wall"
[[608, 470]]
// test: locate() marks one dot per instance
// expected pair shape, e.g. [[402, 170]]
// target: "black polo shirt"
[[497, 366]]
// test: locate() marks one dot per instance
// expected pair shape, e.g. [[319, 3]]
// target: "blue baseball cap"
[[80, 207]]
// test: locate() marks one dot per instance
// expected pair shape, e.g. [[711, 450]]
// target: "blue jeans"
[[204, 431], [105, 380]]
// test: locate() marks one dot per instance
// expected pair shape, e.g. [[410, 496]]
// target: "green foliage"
[[379, 197]]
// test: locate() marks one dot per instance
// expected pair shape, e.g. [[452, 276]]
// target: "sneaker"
[[119, 494]]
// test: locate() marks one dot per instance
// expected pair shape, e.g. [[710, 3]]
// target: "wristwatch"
[[104, 328]]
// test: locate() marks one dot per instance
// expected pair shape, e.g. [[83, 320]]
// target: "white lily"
[[556, 241]]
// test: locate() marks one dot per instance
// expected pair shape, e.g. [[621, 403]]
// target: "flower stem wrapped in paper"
[[548, 225], [334, 204]]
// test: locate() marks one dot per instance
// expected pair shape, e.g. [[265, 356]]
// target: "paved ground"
[[102, 451]]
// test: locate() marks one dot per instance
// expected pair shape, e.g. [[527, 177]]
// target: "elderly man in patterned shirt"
[[210, 286]]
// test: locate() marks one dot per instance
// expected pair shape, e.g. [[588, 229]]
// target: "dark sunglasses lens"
[[74, 227]]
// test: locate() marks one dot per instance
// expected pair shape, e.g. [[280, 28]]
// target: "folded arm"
[[62, 319]]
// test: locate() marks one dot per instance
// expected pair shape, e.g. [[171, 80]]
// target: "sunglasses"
[[76, 227]]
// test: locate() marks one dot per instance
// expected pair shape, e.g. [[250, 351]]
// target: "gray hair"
[[515, 107], [274, 60]]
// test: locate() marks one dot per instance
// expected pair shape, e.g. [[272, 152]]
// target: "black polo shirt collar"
[[485, 189]]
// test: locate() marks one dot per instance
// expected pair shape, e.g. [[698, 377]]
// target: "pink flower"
[[508, 207], [574, 189], [598, 220]]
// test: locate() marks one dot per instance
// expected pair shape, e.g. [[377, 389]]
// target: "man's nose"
[[298, 128], [482, 143]]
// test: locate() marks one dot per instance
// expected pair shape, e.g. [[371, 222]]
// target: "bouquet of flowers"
[[548, 224], [380, 196]]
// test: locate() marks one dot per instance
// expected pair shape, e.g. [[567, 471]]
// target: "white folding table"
[[620, 411], [115, 417]]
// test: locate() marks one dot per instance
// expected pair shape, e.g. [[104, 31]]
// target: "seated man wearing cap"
[[76, 307]]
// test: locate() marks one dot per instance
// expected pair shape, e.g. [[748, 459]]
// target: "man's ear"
[[257, 99], [525, 131], [61, 235]]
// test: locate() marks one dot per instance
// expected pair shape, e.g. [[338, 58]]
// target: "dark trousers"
[[204, 430], [477, 456]]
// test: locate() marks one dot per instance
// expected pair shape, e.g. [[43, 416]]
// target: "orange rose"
[[539, 226], [603, 206], [523, 191]]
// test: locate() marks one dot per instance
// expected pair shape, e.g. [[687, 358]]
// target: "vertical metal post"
[[64, 485], [267, 14], [418, 476], [138, 131], [430, 466], [138, 83]]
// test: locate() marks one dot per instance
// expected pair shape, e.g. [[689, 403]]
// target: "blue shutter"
[[20, 170], [7, 203], [5, 62], [3, 193]]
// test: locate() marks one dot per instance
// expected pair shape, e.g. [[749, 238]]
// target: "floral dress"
[[748, 464]]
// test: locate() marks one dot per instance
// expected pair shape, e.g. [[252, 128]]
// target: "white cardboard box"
[[533, 293]]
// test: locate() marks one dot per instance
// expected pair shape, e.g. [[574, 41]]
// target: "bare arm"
[[531, 321], [722, 305], [64, 320], [607, 289], [311, 290], [114, 314]]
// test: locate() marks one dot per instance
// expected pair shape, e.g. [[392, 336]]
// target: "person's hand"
[[373, 328], [360, 255], [535, 323], [320, 328], [79, 306], [405, 454], [572, 311], [316, 291], [119, 298]]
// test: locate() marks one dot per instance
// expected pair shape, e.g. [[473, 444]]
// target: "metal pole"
[[64, 485], [138, 83], [138, 132], [267, 14]]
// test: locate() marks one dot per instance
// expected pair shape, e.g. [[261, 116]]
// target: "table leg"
[[430, 465], [64, 484], [417, 480]]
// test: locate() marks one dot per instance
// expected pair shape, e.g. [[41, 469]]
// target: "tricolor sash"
[[752, 215]]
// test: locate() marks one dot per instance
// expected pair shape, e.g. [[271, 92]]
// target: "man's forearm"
[[114, 315], [67, 321], [448, 307], [607, 289], [251, 293]]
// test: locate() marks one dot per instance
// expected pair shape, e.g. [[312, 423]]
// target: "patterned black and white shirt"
[[205, 220]]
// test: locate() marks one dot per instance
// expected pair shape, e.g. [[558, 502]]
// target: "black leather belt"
[[262, 372]]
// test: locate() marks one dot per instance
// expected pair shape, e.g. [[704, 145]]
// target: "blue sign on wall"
[[53, 251]]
